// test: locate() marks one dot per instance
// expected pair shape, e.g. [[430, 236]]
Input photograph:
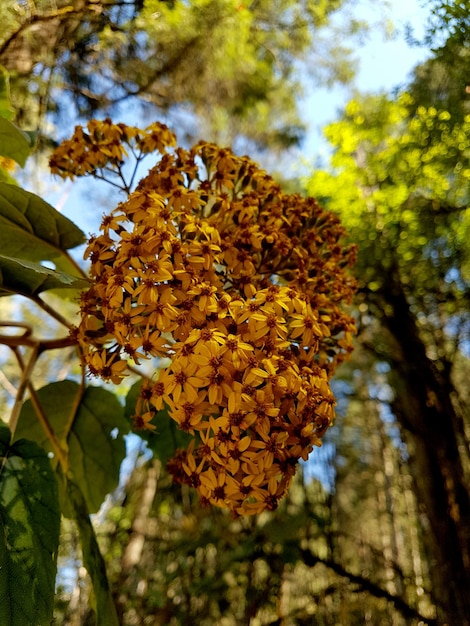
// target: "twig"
[[73, 412], [28, 341], [367, 585], [55, 444], [37, 347], [26, 372], [6, 384], [52, 312]]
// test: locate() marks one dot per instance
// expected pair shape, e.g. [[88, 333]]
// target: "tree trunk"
[[425, 411]]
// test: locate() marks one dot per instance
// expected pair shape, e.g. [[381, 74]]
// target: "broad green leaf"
[[32, 229], [167, 437], [6, 110], [92, 558], [93, 433], [29, 279], [29, 527], [14, 143]]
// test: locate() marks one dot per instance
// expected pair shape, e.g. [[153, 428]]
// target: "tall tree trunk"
[[425, 411]]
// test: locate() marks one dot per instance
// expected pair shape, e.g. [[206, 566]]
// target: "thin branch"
[[73, 412], [67, 11], [107, 180], [57, 448], [7, 385], [26, 372], [28, 341], [28, 330], [52, 312], [367, 585], [138, 372]]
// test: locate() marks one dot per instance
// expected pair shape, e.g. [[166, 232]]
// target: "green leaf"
[[29, 279], [5, 177], [6, 110], [32, 229], [167, 438], [92, 559], [29, 527], [14, 143], [93, 432]]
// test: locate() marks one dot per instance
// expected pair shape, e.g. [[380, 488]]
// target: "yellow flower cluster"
[[103, 147], [239, 286]]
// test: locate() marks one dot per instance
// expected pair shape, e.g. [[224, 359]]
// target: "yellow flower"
[[267, 323], [192, 470], [270, 447], [156, 137], [107, 366], [265, 497], [306, 327], [206, 296], [181, 381], [213, 486], [125, 319], [118, 285], [236, 352], [144, 421], [189, 413], [153, 343]]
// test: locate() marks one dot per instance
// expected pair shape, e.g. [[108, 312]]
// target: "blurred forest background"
[[376, 530]]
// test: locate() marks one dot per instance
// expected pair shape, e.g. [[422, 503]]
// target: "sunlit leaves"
[[32, 229], [90, 425], [14, 143], [400, 183], [6, 110], [29, 532], [92, 558]]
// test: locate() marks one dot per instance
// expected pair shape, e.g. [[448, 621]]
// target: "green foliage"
[[29, 522], [14, 143], [32, 229], [399, 180], [105, 609], [202, 567], [438, 82], [448, 26], [441, 81], [6, 110], [30, 279], [400, 184], [89, 424], [231, 65]]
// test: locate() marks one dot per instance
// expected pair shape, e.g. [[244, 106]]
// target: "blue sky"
[[384, 64], [387, 63]]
